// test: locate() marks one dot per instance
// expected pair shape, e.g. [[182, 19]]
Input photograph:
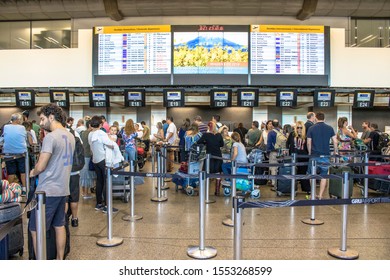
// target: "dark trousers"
[[100, 171]]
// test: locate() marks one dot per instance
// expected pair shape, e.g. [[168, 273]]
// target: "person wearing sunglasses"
[[297, 143]]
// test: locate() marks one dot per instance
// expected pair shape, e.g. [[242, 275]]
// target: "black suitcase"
[[16, 239], [283, 186], [260, 171], [336, 185], [9, 211], [51, 248], [379, 185]]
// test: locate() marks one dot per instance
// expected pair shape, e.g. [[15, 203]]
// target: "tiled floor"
[[168, 228]]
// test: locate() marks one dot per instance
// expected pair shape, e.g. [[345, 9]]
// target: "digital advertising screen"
[[220, 98], [174, 98], [286, 98], [364, 99], [25, 98], [210, 54], [134, 97], [59, 97], [324, 98], [137, 55], [99, 98], [289, 55], [248, 97]]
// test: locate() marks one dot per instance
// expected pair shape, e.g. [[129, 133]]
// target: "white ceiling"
[[65, 9]]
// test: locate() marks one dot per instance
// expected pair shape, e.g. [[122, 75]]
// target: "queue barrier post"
[[153, 156], [132, 217], [27, 172], [229, 221], [293, 173], [110, 241], [342, 252], [164, 166], [208, 200], [202, 251], [238, 224], [40, 221], [366, 160], [312, 220], [159, 197]]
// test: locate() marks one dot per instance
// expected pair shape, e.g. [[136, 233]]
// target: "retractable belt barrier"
[[239, 202]]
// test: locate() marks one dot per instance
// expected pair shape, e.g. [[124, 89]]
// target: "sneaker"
[[114, 210], [75, 222], [99, 207], [24, 191]]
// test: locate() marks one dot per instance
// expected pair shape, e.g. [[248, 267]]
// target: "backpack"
[[383, 140], [281, 140], [78, 155]]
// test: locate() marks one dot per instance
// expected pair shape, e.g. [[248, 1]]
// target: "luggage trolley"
[[244, 185], [121, 185], [193, 166]]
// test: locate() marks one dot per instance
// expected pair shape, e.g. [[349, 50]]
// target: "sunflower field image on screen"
[[210, 53]]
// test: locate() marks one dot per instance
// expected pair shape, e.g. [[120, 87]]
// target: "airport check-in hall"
[[164, 130]]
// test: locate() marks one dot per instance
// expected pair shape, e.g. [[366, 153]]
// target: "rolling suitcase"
[[51, 248], [283, 186], [15, 238], [336, 185]]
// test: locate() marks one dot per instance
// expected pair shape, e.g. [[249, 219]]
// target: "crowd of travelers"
[[108, 145]]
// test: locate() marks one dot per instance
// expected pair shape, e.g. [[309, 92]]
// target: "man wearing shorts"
[[318, 139], [54, 167], [15, 143]]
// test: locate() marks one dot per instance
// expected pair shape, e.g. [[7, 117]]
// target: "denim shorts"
[[15, 165], [55, 213], [322, 164]]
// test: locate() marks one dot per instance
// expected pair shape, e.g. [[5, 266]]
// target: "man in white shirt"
[[170, 138]]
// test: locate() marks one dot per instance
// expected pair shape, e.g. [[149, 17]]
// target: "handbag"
[[91, 166]]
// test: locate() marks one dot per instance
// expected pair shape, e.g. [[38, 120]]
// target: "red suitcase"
[[379, 169]]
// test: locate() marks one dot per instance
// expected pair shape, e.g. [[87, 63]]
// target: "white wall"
[[350, 67], [48, 67], [358, 67]]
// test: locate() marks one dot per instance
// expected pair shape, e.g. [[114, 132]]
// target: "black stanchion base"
[[344, 255]]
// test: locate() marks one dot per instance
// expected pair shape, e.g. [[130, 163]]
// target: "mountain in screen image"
[[209, 43]]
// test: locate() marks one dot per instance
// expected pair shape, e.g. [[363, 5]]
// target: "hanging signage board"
[[99, 98], [363, 99], [324, 98], [59, 97], [286, 98], [25, 98], [220, 98], [174, 98], [134, 98], [248, 97]]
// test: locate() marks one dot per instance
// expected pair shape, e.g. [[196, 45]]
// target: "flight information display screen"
[[140, 52], [292, 54]]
